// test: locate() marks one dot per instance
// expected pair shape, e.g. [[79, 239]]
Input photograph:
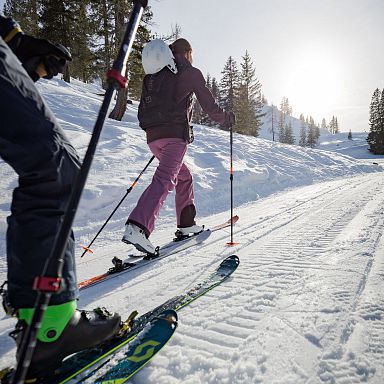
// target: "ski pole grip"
[[143, 3]]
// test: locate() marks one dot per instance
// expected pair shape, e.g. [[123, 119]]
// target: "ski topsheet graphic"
[[142, 349]]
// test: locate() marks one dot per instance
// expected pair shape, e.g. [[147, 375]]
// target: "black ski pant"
[[34, 145]]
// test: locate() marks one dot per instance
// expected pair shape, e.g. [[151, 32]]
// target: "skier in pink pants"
[[165, 112]]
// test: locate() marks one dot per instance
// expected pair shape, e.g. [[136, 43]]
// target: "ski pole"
[[46, 285], [88, 247], [231, 243]]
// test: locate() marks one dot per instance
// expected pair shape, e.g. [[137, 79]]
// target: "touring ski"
[[86, 364], [123, 266], [138, 349]]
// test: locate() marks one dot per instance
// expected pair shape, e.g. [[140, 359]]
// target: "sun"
[[313, 84]]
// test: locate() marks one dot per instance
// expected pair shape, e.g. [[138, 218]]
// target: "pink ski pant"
[[171, 173]]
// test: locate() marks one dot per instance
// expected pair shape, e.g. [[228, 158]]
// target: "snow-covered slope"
[[305, 304], [266, 127]]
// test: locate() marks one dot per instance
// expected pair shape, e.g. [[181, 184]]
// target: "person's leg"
[[34, 145], [170, 153], [185, 207]]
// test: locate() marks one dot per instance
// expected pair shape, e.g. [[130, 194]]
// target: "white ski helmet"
[[156, 55]]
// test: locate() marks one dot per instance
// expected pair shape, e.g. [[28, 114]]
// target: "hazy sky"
[[326, 56]]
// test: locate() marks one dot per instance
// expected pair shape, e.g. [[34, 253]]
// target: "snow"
[[304, 306]]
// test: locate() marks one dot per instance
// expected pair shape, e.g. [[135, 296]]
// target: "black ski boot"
[[85, 329]]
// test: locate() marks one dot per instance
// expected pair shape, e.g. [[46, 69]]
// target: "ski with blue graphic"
[[87, 363]]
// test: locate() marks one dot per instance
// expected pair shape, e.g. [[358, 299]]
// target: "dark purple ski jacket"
[[190, 81]]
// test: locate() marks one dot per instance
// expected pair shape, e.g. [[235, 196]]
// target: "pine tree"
[[103, 42], [281, 127], [60, 21], [285, 107], [273, 122], [197, 114], [176, 32], [26, 13], [324, 124], [248, 103], [375, 137], [82, 65], [303, 132], [311, 136], [336, 126], [229, 85], [381, 131], [289, 137], [56, 19], [205, 119], [215, 89], [332, 125]]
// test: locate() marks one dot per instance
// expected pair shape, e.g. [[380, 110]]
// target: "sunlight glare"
[[313, 84]]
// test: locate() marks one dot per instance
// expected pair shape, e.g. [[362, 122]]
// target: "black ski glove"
[[33, 52], [230, 120]]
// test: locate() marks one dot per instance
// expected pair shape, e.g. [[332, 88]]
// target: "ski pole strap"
[[47, 284], [117, 78]]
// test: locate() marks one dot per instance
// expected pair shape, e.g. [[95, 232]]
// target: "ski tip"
[[205, 234], [233, 260], [170, 316]]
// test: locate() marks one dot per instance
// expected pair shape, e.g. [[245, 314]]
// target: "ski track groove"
[[280, 257], [291, 270]]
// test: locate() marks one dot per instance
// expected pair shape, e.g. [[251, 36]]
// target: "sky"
[[325, 56]]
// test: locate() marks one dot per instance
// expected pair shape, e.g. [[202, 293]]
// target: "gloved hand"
[[33, 52], [230, 120]]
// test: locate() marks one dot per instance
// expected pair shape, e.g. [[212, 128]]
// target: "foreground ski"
[[139, 347], [222, 273], [82, 365], [84, 359], [122, 370], [169, 249]]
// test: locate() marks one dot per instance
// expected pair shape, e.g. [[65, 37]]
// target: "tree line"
[[92, 31], [238, 90], [375, 137]]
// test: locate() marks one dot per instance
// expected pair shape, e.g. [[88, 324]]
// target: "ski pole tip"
[[231, 244]]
